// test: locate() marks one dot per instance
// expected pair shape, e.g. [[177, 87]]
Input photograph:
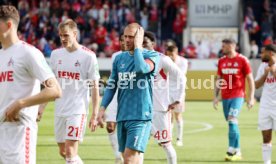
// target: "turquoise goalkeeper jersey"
[[132, 77]]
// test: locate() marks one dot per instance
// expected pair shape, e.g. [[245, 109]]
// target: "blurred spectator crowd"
[[99, 21], [260, 22]]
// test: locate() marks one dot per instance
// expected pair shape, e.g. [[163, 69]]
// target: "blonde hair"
[[68, 23]]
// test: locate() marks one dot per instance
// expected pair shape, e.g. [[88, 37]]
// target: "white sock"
[[179, 130], [79, 160], [170, 152], [141, 159], [231, 150], [172, 129], [114, 144], [267, 150], [73, 160], [238, 151]]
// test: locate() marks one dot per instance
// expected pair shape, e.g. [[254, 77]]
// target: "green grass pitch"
[[201, 144]]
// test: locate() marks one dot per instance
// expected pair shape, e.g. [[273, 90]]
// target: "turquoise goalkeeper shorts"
[[133, 135]]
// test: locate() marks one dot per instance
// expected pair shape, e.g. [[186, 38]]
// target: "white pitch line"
[[206, 127]]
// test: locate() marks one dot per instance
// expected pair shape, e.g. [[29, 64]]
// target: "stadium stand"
[[99, 21]]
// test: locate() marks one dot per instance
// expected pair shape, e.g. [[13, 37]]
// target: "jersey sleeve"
[[185, 66], [113, 56], [154, 57], [111, 85], [38, 66], [247, 67], [53, 61], [93, 70], [260, 71], [139, 60], [175, 75], [219, 73]]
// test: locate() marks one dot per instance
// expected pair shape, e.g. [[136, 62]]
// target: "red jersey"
[[233, 71]]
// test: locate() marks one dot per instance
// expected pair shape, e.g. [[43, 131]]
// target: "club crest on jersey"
[[236, 64], [77, 64], [223, 65], [122, 66], [11, 62], [147, 114]]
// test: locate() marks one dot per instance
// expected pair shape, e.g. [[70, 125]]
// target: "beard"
[[265, 59], [225, 52]]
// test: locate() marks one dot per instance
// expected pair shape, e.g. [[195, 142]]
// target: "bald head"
[[134, 26]]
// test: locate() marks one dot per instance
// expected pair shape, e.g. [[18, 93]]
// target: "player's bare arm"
[[251, 84], [100, 117], [95, 105], [260, 82], [41, 110], [217, 90], [51, 91]]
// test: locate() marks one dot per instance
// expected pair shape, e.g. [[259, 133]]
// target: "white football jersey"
[[74, 70], [268, 100], [22, 68], [182, 63], [167, 69]]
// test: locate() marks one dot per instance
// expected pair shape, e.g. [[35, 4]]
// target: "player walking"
[[132, 73], [233, 68], [76, 69]]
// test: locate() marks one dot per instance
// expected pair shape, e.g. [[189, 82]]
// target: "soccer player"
[[182, 63], [22, 68], [233, 69], [111, 113], [76, 69], [266, 77], [132, 74], [161, 122]]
